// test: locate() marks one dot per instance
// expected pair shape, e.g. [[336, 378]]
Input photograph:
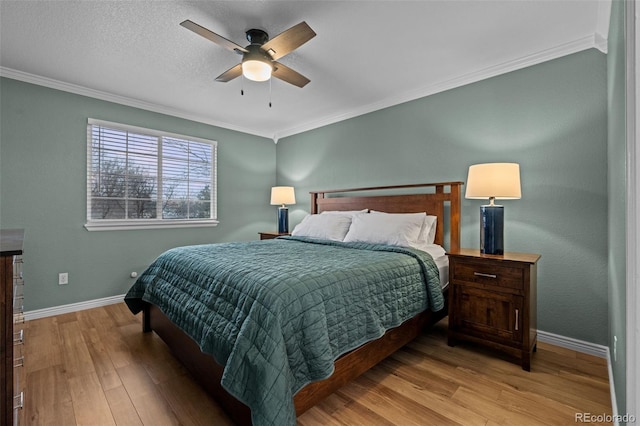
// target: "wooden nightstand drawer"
[[488, 273]]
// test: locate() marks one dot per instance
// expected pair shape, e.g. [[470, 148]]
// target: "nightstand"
[[271, 235], [492, 301]]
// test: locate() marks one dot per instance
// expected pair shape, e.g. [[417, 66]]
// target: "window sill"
[[123, 225]]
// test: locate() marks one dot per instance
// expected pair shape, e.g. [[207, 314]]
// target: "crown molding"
[[600, 43], [122, 100], [603, 17], [591, 41], [575, 46]]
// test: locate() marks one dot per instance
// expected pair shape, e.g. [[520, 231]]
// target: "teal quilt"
[[278, 313]]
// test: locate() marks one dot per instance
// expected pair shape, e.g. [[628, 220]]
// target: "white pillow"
[[428, 230], [393, 229], [327, 227]]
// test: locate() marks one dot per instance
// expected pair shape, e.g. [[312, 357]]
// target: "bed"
[[294, 336]]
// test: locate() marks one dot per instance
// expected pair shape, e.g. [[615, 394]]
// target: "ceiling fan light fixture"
[[260, 56], [256, 64], [256, 70]]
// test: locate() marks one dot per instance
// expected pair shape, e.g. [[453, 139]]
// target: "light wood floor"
[[96, 367]]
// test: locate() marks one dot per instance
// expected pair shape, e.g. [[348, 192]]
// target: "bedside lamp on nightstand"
[[495, 181], [283, 195]]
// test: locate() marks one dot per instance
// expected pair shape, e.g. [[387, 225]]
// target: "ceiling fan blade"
[[285, 73], [289, 40], [230, 74], [210, 35]]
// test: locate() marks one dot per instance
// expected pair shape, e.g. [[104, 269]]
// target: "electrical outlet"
[[615, 348], [63, 278]]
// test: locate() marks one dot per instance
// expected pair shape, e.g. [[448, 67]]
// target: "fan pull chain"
[[270, 92], [241, 84]]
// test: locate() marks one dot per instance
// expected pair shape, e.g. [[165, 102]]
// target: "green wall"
[[551, 118], [617, 199], [43, 189]]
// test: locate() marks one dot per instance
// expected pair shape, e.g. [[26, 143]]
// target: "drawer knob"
[[480, 274]]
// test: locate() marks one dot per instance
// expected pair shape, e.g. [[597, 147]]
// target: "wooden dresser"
[[11, 320], [492, 301]]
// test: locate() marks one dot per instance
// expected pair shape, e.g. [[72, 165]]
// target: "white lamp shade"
[[498, 180], [283, 195], [256, 70]]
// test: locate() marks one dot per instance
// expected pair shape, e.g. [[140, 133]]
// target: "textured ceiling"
[[367, 55]]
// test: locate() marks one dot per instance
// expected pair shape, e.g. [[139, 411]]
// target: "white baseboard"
[[587, 348], [574, 344], [72, 307], [543, 336]]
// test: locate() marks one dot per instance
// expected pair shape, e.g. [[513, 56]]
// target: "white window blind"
[[142, 178]]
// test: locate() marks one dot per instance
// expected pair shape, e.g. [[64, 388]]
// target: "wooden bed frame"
[[438, 202]]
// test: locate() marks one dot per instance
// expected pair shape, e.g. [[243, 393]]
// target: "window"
[[142, 178]]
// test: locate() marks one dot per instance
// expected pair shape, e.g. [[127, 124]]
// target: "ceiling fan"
[[259, 58]]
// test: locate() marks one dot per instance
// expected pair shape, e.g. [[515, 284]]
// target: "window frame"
[[157, 223]]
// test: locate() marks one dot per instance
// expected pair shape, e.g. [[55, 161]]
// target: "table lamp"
[[493, 181], [283, 195]]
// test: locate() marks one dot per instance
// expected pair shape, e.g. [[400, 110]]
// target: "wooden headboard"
[[432, 198]]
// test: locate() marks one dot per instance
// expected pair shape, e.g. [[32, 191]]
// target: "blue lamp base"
[[491, 229], [283, 220]]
